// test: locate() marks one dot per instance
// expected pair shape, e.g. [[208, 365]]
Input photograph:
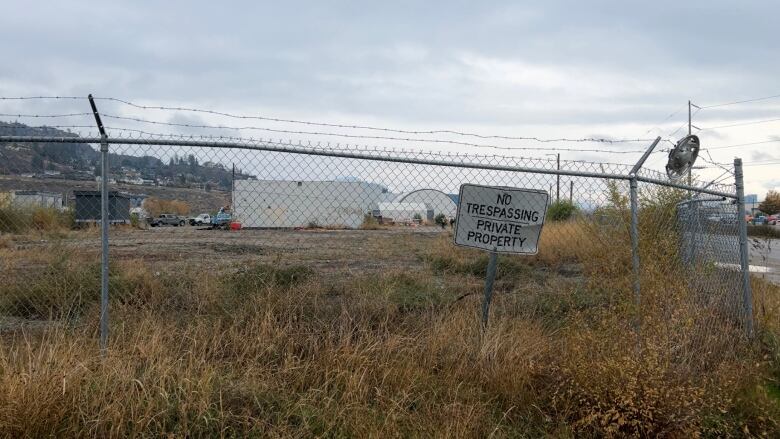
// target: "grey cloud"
[[537, 68]]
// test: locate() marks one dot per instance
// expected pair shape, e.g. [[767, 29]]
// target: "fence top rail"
[[362, 155]]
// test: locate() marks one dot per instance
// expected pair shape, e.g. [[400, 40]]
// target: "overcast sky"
[[547, 69]]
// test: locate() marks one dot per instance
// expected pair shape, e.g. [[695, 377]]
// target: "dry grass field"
[[371, 333]]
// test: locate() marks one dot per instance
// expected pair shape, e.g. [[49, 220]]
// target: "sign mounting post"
[[499, 220]]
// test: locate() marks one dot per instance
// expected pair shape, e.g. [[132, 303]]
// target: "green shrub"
[[440, 219], [561, 210]]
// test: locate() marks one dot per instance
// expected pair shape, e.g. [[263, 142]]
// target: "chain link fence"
[[179, 207]]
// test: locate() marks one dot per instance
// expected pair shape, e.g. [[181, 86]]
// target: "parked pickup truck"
[[199, 220], [221, 221], [168, 219]]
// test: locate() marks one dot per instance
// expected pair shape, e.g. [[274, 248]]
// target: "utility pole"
[[689, 117]]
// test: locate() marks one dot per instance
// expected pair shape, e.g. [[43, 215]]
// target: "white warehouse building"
[[403, 212], [289, 203]]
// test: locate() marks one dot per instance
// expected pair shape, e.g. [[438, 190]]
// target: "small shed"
[[87, 207]]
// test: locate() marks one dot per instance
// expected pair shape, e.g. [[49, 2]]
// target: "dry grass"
[[275, 350], [38, 219]]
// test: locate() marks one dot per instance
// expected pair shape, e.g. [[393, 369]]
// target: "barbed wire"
[[357, 136], [12, 126], [711, 161], [318, 145], [44, 115], [372, 128], [30, 98], [119, 133]]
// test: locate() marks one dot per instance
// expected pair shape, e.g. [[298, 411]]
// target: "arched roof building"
[[434, 200]]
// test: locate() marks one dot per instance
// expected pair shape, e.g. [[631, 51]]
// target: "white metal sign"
[[500, 219]]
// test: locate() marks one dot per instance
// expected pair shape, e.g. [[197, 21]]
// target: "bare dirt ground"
[[327, 251]]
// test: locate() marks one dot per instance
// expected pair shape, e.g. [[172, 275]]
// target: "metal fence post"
[[104, 223], [747, 293], [635, 242], [489, 279], [634, 199]]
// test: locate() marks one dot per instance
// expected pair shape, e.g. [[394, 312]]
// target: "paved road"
[[723, 248], [766, 253]]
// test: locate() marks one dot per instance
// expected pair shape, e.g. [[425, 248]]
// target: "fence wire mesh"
[[178, 209]]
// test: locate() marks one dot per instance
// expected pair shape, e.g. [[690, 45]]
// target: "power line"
[[755, 122], [762, 164], [740, 102], [742, 144], [372, 128], [665, 119], [683, 125]]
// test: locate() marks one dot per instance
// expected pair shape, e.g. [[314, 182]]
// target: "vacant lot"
[[372, 333]]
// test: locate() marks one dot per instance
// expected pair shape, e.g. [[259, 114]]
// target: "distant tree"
[[171, 162], [155, 206], [771, 204], [441, 220]]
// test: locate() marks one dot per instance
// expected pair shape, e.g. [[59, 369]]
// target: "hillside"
[[80, 161], [199, 200]]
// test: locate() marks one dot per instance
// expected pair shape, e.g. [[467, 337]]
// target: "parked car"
[[167, 219], [759, 220], [772, 219], [199, 220]]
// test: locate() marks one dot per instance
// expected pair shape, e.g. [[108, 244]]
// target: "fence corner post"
[[744, 257], [633, 188], [635, 243], [104, 224]]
